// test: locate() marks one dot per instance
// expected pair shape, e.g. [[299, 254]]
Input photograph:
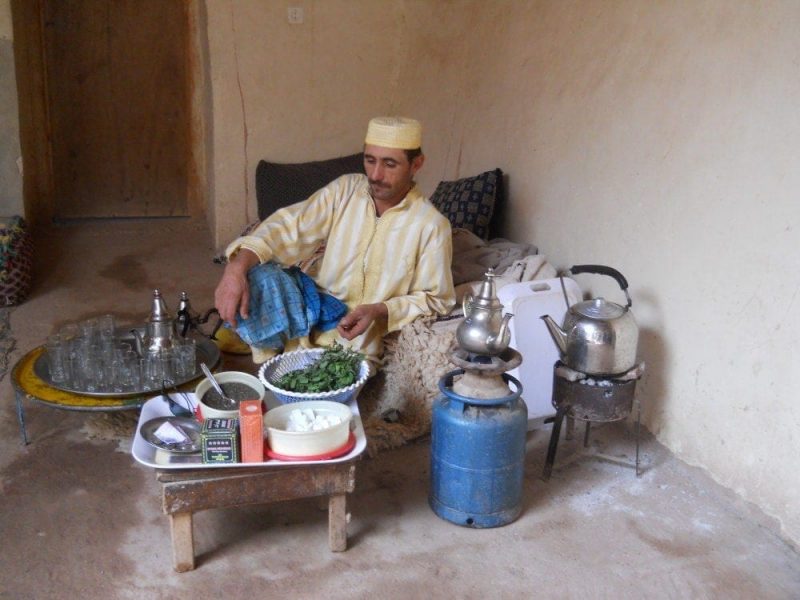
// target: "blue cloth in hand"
[[285, 304]]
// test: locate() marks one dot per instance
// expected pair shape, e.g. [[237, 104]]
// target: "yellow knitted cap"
[[394, 132]]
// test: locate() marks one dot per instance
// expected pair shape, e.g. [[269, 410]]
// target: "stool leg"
[[337, 522], [551, 449], [586, 434], [182, 541]]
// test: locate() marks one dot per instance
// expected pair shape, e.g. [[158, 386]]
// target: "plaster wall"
[[298, 92], [658, 138], [663, 138], [10, 176]]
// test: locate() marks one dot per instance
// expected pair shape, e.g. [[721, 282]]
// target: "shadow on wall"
[[499, 223], [653, 389]]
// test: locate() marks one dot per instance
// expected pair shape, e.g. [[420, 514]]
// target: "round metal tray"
[[207, 352]]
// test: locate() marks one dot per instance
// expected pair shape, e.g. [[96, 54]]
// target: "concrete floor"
[[81, 518]]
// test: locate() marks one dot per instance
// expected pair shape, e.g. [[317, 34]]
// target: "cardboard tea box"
[[219, 439], [251, 429]]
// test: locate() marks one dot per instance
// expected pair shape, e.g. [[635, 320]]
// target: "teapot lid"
[[487, 297], [185, 309], [600, 309], [159, 311]]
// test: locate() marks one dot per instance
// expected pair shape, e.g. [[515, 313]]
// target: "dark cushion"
[[279, 185], [469, 203]]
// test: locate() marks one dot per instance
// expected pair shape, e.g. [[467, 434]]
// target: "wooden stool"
[[188, 491]]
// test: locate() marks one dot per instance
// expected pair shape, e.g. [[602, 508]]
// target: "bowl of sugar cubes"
[[309, 428]]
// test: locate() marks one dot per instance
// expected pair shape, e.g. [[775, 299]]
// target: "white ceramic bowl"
[[307, 443], [224, 377]]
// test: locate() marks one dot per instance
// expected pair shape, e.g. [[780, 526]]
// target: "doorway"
[[114, 88]]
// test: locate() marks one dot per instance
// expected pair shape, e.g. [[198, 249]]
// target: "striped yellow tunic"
[[401, 259]]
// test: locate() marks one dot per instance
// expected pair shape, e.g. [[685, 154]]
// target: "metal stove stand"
[[608, 401]]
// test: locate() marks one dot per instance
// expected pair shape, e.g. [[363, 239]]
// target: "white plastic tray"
[[150, 456]]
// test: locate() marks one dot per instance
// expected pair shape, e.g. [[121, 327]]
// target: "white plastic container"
[[528, 301], [307, 443]]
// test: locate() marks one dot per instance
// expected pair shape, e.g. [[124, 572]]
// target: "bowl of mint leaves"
[[335, 373]]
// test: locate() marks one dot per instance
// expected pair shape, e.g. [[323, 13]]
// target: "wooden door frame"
[[34, 121]]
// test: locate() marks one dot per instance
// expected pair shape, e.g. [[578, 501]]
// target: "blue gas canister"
[[477, 456]]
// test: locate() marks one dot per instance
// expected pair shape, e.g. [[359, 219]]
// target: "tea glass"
[[89, 330], [106, 325], [94, 369], [184, 358], [165, 357], [128, 375]]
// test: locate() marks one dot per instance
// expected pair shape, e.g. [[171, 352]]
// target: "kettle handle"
[[603, 270]]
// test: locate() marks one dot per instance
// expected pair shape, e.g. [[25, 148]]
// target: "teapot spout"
[[559, 335], [499, 342]]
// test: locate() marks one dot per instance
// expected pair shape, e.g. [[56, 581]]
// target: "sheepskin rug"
[[396, 403]]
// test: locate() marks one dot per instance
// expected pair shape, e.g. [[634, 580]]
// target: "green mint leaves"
[[338, 367]]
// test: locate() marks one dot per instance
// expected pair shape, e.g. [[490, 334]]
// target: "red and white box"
[[251, 431]]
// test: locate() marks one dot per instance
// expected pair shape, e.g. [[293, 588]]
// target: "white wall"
[[294, 93], [661, 138]]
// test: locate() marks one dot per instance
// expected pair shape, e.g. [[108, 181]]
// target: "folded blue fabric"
[[285, 304]]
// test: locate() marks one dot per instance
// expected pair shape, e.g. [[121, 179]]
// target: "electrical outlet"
[[295, 14]]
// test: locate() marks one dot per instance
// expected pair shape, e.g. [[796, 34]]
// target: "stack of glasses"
[[90, 356]]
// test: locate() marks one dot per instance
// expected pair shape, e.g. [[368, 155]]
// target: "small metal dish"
[[188, 425]]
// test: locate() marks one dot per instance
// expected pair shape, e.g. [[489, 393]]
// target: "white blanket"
[[512, 262], [472, 255]]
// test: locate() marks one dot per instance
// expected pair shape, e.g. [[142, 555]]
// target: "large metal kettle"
[[598, 337], [159, 330], [484, 329]]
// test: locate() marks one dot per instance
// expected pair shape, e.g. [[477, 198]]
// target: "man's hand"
[[362, 316], [232, 295]]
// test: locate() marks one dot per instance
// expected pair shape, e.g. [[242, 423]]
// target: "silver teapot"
[[189, 320], [598, 337], [159, 330], [484, 329]]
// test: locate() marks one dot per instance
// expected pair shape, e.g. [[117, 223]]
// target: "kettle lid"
[[600, 309]]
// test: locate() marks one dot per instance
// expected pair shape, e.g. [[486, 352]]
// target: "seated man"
[[387, 248]]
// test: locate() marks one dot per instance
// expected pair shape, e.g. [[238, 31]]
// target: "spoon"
[[226, 401], [175, 408]]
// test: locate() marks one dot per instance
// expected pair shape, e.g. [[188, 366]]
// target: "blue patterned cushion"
[[469, 203]]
